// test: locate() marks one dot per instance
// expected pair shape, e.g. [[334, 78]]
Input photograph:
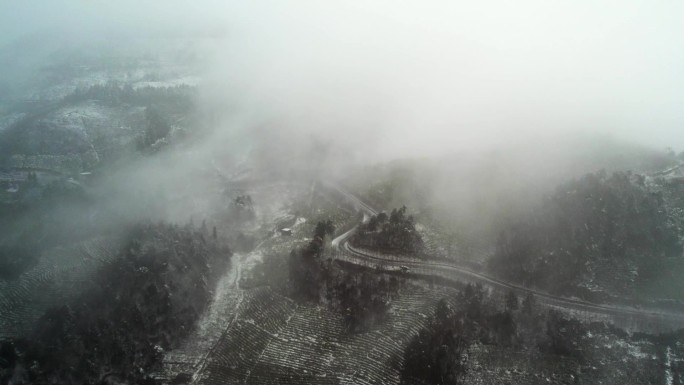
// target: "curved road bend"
[[632, 319]]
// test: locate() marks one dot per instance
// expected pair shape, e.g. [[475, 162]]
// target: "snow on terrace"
[[275, 341]]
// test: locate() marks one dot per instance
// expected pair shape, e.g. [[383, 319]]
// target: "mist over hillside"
[[314, 192]]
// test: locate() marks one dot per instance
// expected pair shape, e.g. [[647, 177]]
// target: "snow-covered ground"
[[191, 81]]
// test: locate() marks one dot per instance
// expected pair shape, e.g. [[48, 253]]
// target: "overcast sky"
[[422, 76]]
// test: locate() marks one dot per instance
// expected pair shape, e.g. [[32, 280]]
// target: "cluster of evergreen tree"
[[362, 297], [144, 302], [439, 353], [155, 130], [308, 270], [393, 233], [613, 231]]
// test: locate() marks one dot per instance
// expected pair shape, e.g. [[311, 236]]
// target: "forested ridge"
[[600, 234], [136, 307]]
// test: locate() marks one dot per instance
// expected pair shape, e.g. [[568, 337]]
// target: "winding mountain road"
[[628, 318]]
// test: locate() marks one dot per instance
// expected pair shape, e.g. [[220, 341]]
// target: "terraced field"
[[274, 341], [57, 277], [261, 315]]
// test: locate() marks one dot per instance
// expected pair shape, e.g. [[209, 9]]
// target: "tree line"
[[614, 231], [394, 233]]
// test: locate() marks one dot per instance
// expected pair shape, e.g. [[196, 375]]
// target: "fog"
[[276, 125], [407, 78], [506, 99], [421, 79]]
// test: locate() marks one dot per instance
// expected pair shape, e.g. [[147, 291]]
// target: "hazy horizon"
[[406, 79]]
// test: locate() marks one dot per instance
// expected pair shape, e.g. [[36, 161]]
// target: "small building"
[[286, 231]]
